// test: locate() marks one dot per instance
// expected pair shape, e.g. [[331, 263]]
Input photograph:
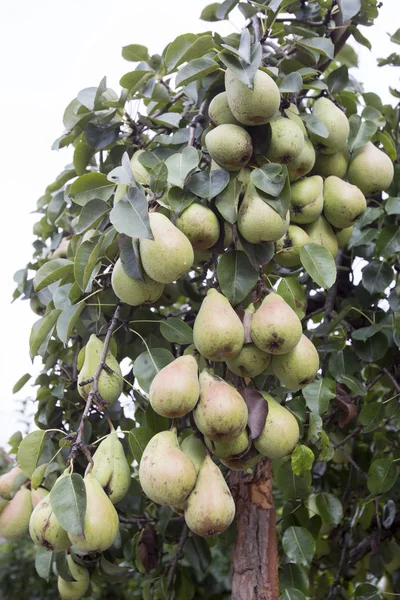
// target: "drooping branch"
[[371, 542]]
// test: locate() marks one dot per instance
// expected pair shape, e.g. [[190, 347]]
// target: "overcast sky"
[[50, 50]]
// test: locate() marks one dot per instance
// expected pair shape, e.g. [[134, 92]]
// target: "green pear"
[[303, 163], [343, 202], [236, 447], [257, 220], [62, 249], [287, 141], [275, 327], [167, 475], [174, 391], [219, 111], [332, 164], [218, 333], [139, 171], [210, 507], [3, 504], [45, 529], [221, 413], [194, 448], [297, 368], [11, 481], [256, 105], [307, 200], [38, 495], [230, 146], [293, 113], [343, 236], [169, 255], [14, 518], [133, 291], [74, 590], [287, 248], [250, 362], [101, 524], [370, 169], [281, 431], [336, 123], [242, 463], [109, 384], [320, 232], [111, 469], [200, 225]]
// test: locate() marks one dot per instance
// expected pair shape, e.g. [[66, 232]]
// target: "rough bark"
[[255, 555]]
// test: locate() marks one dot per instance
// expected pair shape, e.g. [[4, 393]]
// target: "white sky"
[[50, 50]]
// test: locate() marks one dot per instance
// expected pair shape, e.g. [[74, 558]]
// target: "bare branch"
[[199, 118]]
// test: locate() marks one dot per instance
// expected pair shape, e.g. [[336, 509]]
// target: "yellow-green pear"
[[230, 146], [256, 105], [303, 163], [194, 448], [45, 529], [139, 171], [370, 169], [101, 524], [221, 413], [38, 495], [343, 202], [109, 384], [235, 447], [133, 291], [250, 362], [219, 111], [62, 249], [11, 481], [3, 504], [257, 220], [275, 327], [210, 507], [336, 123], [14, 518], [343, 236], [299, 367], [287, 141], [174, 391], [293, 113], [169, 255], [167, 475], [200, 225], [242, 463], [111, 469], [281, 431], [287, 248], [218, 333], [74, 590], [332, 164], [307, 200], [320, 232]]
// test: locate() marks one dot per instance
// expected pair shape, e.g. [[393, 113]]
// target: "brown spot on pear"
[[219, 111], [256, 105], [45, 529], [287, 248], [230, 146], [281, 431], [200, 225], [133, 291], [14, 518], [287, 141], [236, 447], [343, 202], [275, 327], [299, 367], [307, 200], [111, 469], [174, 391], [250, 362], [320, 232], [109, 384], [332, 164], [257, 220], [336, 123], [370, 169], [11, 481], [303, 163], [74, 590]]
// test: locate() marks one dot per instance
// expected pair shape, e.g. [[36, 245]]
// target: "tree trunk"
[[255, 555]]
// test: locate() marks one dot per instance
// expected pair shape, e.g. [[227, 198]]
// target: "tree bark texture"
[[255, 554]]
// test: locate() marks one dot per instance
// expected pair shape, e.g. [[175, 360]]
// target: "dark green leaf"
[[376, 277], [319, 264], [30, 450], [388, 242], [338, 79], [68, 502], [186, 48], [227, 201], [372, 349], [318, 394], [330, 508], [131, 215], [270, 178], [86, 258], [209, 13], [382, 476], [52, 271], [67, 320], [91, 214], [371, 415], [158, 177], [392, 206], [181, 165], [208, 184], [294, 294], [177, 331], [139, 437], [195, 69], [360, 132], [43, 563], [42, 330], [21, 382], [236, 276], [299, 545], [315, 125], [148, 364], [135, 53], [320, 45], [292, 83], [90, 186]]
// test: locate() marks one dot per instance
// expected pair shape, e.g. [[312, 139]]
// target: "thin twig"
[[394, 381], [178, 555], [199, 118]]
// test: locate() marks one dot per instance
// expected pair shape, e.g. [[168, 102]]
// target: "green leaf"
[[388, 242], [169, 119], [302, 460], [270, 178], [148, 364], [86, 258], [67, 321], [338, 79], [366, 591], [37, 476], [68, 502], [21, 382], [139, 437], [181, 165], [299, 545], [42, 330], [387, 142], [392, 206], [243, 70], [236, 276], [30, 450], [131, 215], [208, 184], [91, 214], [135, 53], [52, 271], [62, 566], [195, 69], [186, 48], [349, 8], [330, 508], [318, 394], [291, 290], [177, 331], [320, 45], [156, 422], [227, 201], [43, 563], [135, 79], [290, 593], [319, 264], [371, 416], [225, 8], [315, 125], [294, 576], [290, 485], [158, 177], [179, 199], [395, 38], [90, 186], [396, 328], [82, 155], [292, 83], [209, 13], [377, 276], [372, 349], [382, 476], [359, 37], [360, 132], [354, 385]]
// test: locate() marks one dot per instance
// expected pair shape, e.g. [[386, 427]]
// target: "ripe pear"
[[174, 391], [169, 255], [287, 141], [3, 504], [320, 232], [111, 469], [133, 291], [210, 507], [230, 146], [221, 413], [287, 248], [275, 327], [194, 448], [218, 333], [235, 447], [38, 495], [101, 524], [14, 518], [167, 475], [370, 169], [281, 431], [45, 529], [250, 362], [219, 111], [343, 236], [200, 225], [109, 384], [303, 163], [11, 481], [256, 105], [74, 590], [258, 221], [332, 164], [299, 367], [139, 171], [343, 202], [336, 123], [307, 200]]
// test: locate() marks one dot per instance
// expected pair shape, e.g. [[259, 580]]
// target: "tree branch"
[[371, 542], [394, 381], [178, 555], [199, 118]]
